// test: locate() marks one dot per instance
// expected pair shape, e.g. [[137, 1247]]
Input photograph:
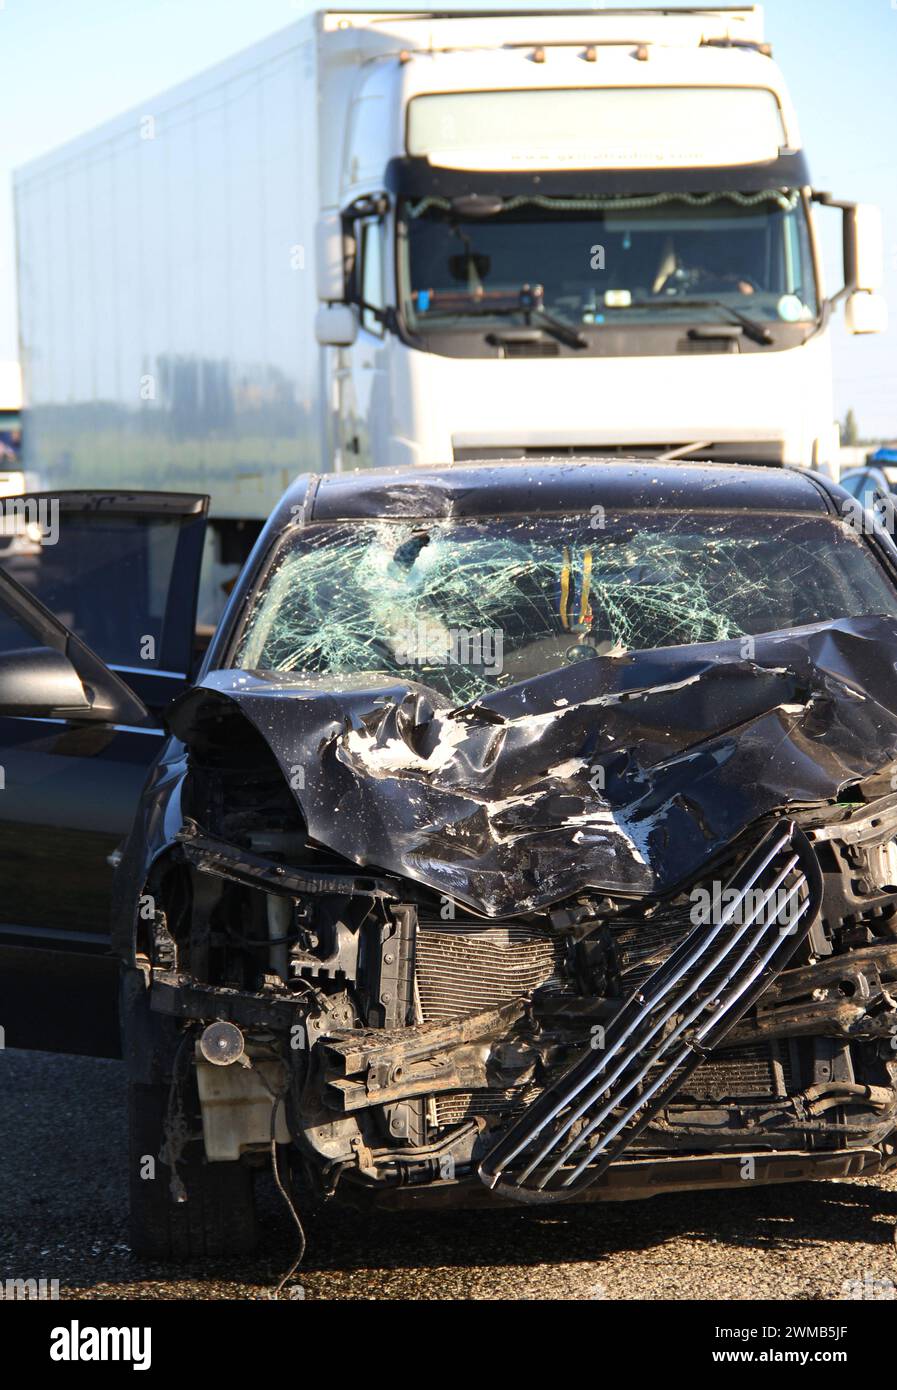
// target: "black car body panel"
[[113, 590], [497, 804], [417, 918]]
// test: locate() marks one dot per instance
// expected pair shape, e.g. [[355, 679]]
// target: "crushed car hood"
[[619, 774]]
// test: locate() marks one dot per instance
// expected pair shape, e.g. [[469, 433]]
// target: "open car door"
[[97, 614]]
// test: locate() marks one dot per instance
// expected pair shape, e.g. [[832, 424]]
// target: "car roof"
[[561, 485]]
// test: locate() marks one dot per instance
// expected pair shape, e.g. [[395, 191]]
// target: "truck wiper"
[[753, 330], [545, 323], [564, 332]]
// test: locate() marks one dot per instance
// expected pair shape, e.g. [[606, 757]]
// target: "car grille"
[[464, 967], [652, 1048], [759, 1069]]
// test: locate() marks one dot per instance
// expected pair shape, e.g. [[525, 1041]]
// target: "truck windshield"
[[467, 606], [604, 262]]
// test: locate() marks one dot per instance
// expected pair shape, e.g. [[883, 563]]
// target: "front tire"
[[216, 1214]]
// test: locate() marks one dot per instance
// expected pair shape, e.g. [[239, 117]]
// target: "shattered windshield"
[[607, 261], [471, 605]]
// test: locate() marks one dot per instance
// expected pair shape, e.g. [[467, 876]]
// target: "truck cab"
[[562, 233]]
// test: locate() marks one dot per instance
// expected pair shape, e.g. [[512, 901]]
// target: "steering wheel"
[[694, 280]]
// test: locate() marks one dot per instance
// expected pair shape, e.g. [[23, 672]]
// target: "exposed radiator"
[[463, 1105], [642, 946], [463, 967], [739, 1073]]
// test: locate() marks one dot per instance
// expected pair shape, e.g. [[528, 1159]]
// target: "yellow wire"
[[586, 585], [565, 587]]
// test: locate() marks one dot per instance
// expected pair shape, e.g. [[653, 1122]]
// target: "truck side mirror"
[[330, 275], [863, 247], [866, 312], [336, 325]]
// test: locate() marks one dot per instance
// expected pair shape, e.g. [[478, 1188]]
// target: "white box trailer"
[[398, 238]]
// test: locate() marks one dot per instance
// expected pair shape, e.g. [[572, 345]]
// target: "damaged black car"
[[529, 834]]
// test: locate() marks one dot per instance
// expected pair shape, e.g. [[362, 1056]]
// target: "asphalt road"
[[64, 1217]]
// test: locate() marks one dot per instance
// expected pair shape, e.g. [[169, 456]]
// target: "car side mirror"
[[866, 312], [41, 682], [336, 325]]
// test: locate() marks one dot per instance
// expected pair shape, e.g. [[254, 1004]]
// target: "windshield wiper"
[[564, 332], [546, 323], [753, 330]]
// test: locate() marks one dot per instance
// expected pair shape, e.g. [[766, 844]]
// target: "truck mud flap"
[[576, 1128]]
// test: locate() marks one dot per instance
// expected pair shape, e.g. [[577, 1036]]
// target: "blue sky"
[[70, 64]]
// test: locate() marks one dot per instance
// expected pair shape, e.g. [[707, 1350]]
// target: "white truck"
[[11, 477], [417, 237]]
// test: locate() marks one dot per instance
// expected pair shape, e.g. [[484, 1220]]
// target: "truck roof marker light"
[[641, 53], [538, 55], [591, 54], [405, 56]]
